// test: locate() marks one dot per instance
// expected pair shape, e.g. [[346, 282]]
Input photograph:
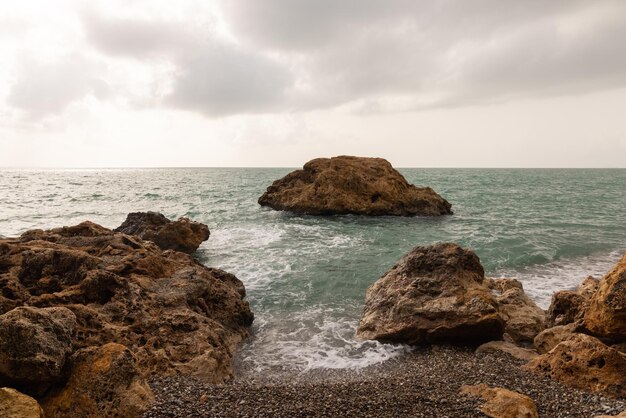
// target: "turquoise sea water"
[[306, 276]]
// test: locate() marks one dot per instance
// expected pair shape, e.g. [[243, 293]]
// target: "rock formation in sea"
[[87, 314], [352, 185], [434, 294], [182, 235]]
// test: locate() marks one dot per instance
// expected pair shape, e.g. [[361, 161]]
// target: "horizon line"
[[290, 167]]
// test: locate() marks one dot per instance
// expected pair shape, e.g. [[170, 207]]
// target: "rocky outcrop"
[[584, 362], [523, 318], [605, 316], [182, 235], [14, 404], [104, 382], [434, 294], [174, 314], [511, 349], [352, 185], [34, 344], [551, 337], [502, 403], [568, 306]]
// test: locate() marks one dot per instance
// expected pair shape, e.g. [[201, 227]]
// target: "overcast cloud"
[[231, 59]]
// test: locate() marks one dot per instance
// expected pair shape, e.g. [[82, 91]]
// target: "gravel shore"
[[423, 383]]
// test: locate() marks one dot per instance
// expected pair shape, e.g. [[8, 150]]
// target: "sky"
[[448, 83]]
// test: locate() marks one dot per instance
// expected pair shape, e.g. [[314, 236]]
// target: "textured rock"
[[352, 185], [174, 314], [434, 294], [14, 404], [104, 382], [524, 319], [34, 344], [568, 306], [584, 362], [605, 316], [551, 337], [620, 415], [508, 348], [502, 403], [182, 235]]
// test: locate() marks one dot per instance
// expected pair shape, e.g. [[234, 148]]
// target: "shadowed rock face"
[[174, 314], [352, 185], [435, 294], [182, 235]]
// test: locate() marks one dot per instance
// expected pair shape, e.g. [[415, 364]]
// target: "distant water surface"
[[306, 276]]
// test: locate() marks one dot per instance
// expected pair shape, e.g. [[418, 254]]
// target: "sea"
[[306, 276]]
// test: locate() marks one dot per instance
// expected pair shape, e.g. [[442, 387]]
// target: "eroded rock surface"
[[352, 185], [568, 306], [34, 344], [551, 337], [174, 314], [14, 404], [502, 403], [182, 235], [105, 382], [606, 315], [584, 362], [434, 294]]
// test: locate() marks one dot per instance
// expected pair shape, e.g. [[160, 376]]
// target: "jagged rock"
[[434, 294], [568, 306], [523, 318], [584, 362], [352, 185], [547, 339], [508, 348], [104, 382], [182, 235], [14, 404], [605, 316], [34, 344], [502, 403], [173, 313]]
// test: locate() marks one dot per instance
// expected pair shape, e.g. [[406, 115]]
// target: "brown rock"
[[352, 185], [182, 235], [104, 382], [502, 403], [14, 404], [434, 294], [508, 348], [586, 363], [34, 344], [523, 318], [174, 314], [606, 315], [568, 306], [551, 337], [620, 415]]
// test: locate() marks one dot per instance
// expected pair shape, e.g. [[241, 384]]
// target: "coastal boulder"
[[104, 382], [507, 348], [502, 403], [549, 338], [568, 306], [605, 316], [34, 344], [174, 314], [14, 404], [352, 185], [523, 318], [182, 235], [584, 362], [434, 294]]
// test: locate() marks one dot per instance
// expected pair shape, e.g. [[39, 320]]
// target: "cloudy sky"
[[454, 83]]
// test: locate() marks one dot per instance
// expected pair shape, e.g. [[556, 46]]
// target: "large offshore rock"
[[14, 404], [182, 235], [352, 185], [104, 382], [174, 314], [605, 316], [434, 294], [523, 318], [584, 362], [34, 344]]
